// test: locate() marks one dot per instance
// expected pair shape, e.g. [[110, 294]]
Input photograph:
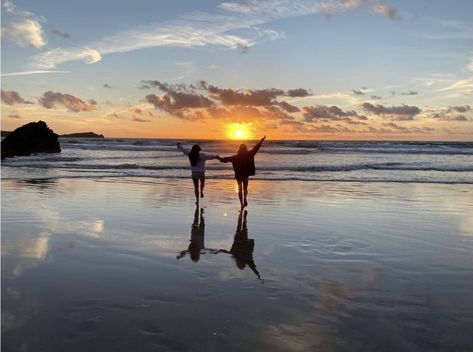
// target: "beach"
[[92, 264]]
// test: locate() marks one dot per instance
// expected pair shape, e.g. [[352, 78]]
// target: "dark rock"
[[34, 137], [83, 135]]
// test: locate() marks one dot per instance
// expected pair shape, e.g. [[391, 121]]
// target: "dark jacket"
[[243, 164]]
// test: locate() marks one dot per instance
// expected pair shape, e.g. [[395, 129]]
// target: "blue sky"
[[370, 69]]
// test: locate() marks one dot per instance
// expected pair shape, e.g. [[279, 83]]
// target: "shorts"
[[198, 175]]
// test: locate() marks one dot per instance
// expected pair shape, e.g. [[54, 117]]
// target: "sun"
[[239, 134], [238, 131]]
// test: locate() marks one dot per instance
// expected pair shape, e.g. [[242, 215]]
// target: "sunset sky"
[[327, 69]]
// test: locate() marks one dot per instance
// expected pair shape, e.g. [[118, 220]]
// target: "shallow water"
[[92, 265]]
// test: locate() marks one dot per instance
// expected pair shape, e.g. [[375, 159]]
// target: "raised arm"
[[258, 145], [182, 149]]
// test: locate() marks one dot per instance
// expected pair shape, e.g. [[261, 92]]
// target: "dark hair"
[[242, 150], [194, 156]]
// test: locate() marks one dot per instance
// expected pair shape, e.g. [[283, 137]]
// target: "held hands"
[[178, 144], [262, 139]]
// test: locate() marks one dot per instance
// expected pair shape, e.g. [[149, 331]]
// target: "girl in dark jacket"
[[244, 166]]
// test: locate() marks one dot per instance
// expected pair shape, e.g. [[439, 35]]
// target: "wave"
[[307, 169], [216, 177]]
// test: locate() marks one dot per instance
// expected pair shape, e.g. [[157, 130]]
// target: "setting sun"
[[239, 131]]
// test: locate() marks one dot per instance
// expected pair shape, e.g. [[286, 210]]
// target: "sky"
[[326, 69]]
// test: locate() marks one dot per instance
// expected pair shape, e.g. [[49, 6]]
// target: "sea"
[[351, 161]]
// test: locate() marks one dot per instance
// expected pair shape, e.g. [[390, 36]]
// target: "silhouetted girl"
[[244, 166], [197, 161]]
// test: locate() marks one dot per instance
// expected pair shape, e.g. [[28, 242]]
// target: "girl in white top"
[[197, 161]]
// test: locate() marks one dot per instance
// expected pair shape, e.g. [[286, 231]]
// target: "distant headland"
[[69, 135], [83, 135]]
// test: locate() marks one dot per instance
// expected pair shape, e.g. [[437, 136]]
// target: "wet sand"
[[128, 265]]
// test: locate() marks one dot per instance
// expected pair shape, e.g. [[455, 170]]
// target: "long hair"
[[194, 156], [242, 150]]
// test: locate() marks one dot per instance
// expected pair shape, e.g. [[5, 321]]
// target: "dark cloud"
[[446, 116], [404, 112], [464, 108], [106, 85], [288, 107], [50, 99], [229, 96], [395, 128], [59, 33], [166, 87], [299, 92], [11, 97], [328, 113], [410, 92], [358, 92], [177, 103]]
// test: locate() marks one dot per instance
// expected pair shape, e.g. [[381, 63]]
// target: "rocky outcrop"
[[83, 135], [34, 137]]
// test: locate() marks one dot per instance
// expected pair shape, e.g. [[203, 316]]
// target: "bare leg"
[[202, 185], [196, 189], [245, 191], [240, 194]]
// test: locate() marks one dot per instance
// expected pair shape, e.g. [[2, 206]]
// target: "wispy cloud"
[[35, 72], [199, 29], [23, 28]]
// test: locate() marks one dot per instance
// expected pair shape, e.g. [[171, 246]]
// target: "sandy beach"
[[92, 265]]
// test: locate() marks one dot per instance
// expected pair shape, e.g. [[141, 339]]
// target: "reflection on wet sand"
[[243, 247], [197, 244]]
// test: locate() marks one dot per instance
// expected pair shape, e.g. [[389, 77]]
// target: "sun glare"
[[238, 131]]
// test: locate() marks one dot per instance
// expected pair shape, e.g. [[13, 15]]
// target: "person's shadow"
[[196, 244], [243, 247]]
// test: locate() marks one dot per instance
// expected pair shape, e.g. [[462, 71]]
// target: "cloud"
[[11, 97], [50, 99], [59, 33], [463, 108], [386, 10], [375, 97], [198, 29], [49, 59], [328, 113], [22, 28], [403, 112], [137, 111], [261, 97], [22, 73], [138, 119], [410, 92], [15, 116], [106, 85], [178, 103], [288, 107], [357, 92], [299, 92]]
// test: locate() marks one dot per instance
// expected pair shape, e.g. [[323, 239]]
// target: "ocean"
[[356, 161]]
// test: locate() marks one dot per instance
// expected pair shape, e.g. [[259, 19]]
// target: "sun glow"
[[239, 131]]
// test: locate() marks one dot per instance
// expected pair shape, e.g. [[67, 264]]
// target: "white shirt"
[[200, 166]]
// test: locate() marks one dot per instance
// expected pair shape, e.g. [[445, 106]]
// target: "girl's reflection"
[[196, 246], [241, 250]]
